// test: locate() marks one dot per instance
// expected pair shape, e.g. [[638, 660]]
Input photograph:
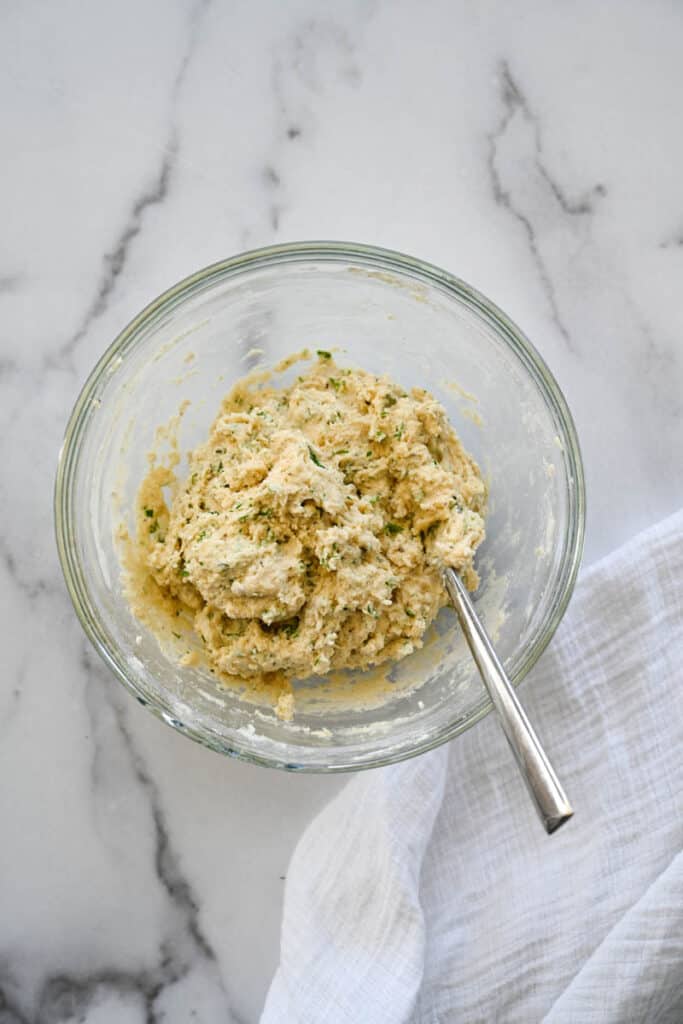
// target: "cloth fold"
[[427, 892]]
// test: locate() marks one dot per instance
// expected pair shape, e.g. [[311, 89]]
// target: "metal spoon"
[[548, 795]]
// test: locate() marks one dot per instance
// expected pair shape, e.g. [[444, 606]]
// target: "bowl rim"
[[359, 254]]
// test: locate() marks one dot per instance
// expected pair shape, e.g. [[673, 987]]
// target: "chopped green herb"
[[336, 384], [410, 613], [201, 536], [194, 478], [154, 526], [324, 354], [398, 433], [149, 512], [314, 457], [392, 528], [389, 400], [368, 454], [176, 635], [291, 628], [380, 436], [342, 451]]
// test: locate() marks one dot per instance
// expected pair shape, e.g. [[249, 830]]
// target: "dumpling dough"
[[313, 526]]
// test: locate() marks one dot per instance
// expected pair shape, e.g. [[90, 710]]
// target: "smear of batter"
[[313, 526]]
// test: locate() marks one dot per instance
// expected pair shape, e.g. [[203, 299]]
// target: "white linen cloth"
[[428, 892]]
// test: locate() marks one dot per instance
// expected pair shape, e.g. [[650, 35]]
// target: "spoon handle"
[[550, 799]]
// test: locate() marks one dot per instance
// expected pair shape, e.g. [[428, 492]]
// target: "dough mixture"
[[313, 525]]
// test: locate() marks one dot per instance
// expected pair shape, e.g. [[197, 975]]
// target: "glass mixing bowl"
[[387, 313]]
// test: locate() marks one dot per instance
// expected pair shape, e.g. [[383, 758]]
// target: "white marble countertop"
[[533, 149]]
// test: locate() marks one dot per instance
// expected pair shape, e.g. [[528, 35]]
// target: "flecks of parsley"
[[149, 512], [410, 613], [314, 457], [323, 353], [392, 528]]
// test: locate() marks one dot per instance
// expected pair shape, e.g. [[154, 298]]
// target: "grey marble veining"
[[533, 150]]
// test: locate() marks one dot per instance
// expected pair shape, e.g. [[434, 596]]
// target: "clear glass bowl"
[[390, 314]]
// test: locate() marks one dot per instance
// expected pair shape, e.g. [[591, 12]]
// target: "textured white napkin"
[[428, 892]]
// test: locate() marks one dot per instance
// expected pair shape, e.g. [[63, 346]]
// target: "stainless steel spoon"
[[548, 795]]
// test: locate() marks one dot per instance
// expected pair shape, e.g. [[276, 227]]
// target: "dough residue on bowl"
[[312, 529]]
